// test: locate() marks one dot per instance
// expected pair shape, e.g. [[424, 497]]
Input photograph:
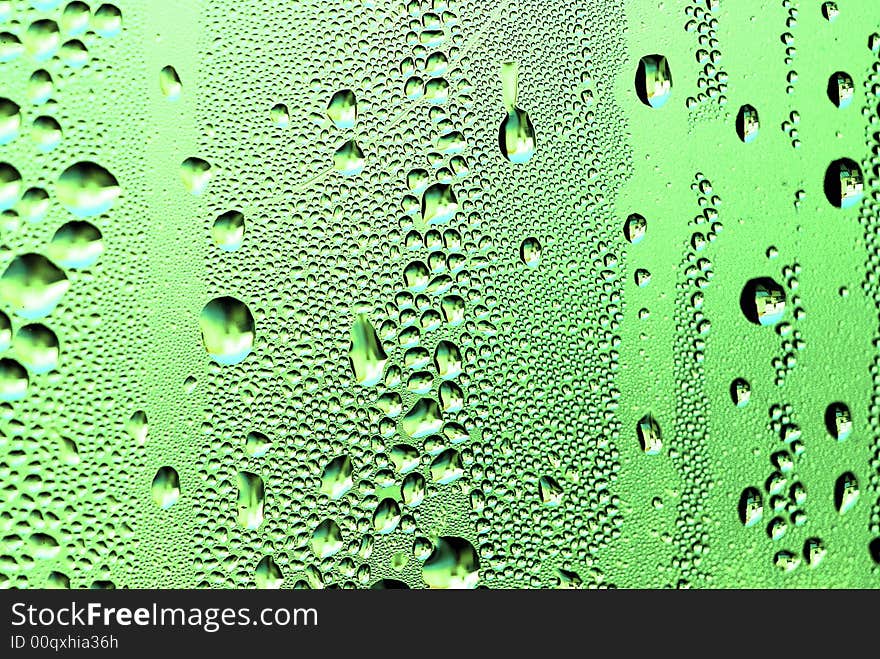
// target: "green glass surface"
[[439, 293]]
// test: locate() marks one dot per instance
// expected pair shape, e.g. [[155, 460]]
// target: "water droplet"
[[86, 189], [413, 488], [326, 539], [786, 560], [530, 252], [5, 331], [10, 186], [763, 301], [747, 123], [447, 467], [451, 397], [439, 204], [251, 498], [337, 477], [840, 89], [166, 487], [74, 53], [844, 183], [138, 427], [349, 159], [169, 83], [195, 174], [57, 581], [268, 574], [846, 492], [10, 120], [634, 228], [365, 352], [13, 380], [653, 80], [516, 135], [41, 39], [648, 431], [838, 421], [257, 444], [279, 115], [107, 20], [40, 87], [448, 360], [32, 285], [75, 18], [228, 330], [425, 418], [550, 491], [10, 47], [751, 507], [404, 457], [77, 244], [453, 564], [814, 551], [830, 11], [228, 231], [43, 545], [46, 132], [37, 348], [342, 109], [740, 392], [386, 517]]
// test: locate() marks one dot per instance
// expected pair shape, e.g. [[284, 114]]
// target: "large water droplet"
[[846, 492], [841, 88], [86, 189], [337, 477], [166, 487], [763, 301], [844, 183], [530, 252], [386, 517], [447, 467], [268, 574], [747, 123], [653, 80], [10, 186], [650, 438], [77, 244], [13, 380], [349, 159], [169, 83], [228, 330], [228, 231], [751, 507], [453, 564], [342, 109], [37, 348], [448, 360], [251, 498], [634, 228], [326, 539], [423, 419], [10, 120], [838, 421], [195, 174], [107, 20], [365, 352], [32, 285], [439, 204], [740, 392], [516, 135]]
